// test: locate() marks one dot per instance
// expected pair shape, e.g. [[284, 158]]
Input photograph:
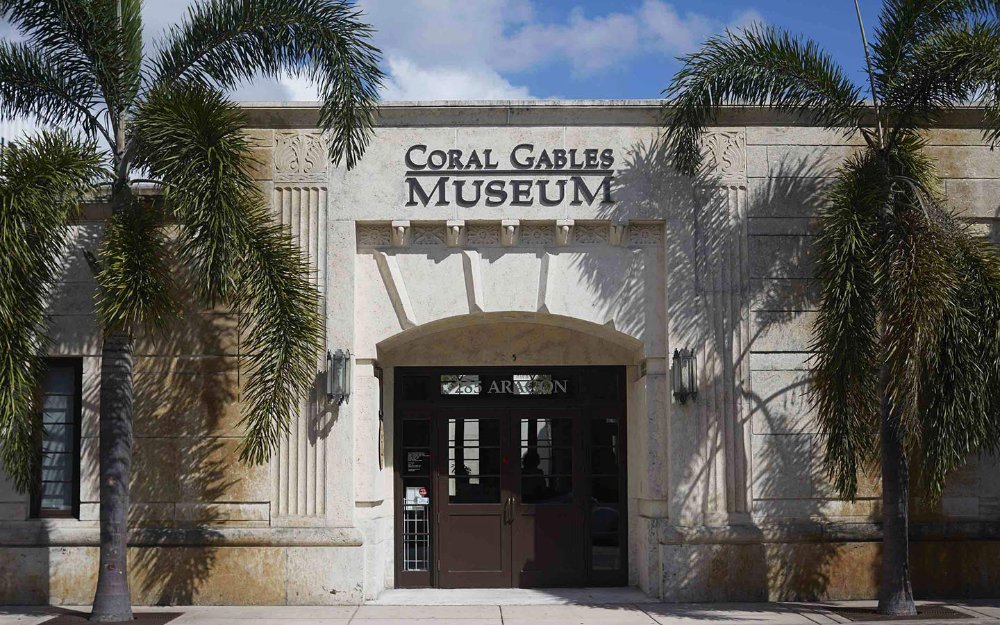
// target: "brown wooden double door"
[[510, 498], [524, 488]]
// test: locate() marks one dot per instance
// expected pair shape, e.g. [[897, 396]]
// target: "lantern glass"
[[684, 375], [692, 385], [338, 376]]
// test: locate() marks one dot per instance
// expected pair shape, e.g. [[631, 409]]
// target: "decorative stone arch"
[[510, 338]]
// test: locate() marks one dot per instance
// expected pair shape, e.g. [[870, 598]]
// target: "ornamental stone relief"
[[590, 234], [645, 234], [537, 234], [300, 157], [726, 156], [483, 234], [428, 235], [374, 236]]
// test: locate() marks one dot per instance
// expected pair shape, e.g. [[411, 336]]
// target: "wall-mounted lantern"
[[338, 376], [684, 375]]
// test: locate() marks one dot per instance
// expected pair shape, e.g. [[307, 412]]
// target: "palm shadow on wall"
[[187, 479], [186, 410], [786, 481]]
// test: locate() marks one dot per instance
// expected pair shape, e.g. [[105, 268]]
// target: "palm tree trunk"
[[112, 602], [895, 591]]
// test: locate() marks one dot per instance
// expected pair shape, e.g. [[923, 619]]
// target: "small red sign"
[[422, 491]]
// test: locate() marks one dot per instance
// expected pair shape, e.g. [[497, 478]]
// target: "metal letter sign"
[[531, 176]]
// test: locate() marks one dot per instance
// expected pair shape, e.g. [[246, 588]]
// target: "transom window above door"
[[503, 384]]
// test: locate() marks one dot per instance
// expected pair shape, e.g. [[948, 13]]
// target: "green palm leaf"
[[759, 66], [41, 86], [225, 42], [104, 50], [135, 269], [845, 367], [192, 139], [42, 181]]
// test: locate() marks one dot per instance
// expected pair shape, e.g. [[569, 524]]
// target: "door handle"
[[508, 511]]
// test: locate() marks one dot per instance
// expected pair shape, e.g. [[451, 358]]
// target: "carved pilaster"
[[299, 468], [722, 283]]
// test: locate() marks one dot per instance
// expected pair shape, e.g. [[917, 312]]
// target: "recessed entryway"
[[510, 477]]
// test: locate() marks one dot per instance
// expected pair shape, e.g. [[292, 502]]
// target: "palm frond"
[[85, 35], [42, 181], [192, 139], [904, 25], [226, 42], [960, 392], [949, 67], [132, 49], [760, 66], [135, 277], [917, 288], [189, 137], [46, 88], [283, 331], [844, 371]]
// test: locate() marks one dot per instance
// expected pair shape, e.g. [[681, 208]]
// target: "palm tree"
[[907, 340], [163, 119]]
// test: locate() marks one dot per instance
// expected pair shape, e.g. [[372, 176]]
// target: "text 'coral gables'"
[[546, 177]]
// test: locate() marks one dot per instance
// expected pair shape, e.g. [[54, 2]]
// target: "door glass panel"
[[416, 438], [417, 462], [539, 385], [605, 547], [414, 388], [416, 524], [474, 460], [547, 432], [416, 433], [474, 384], [604, 432], [461, 384], [603, 460], [606, 553], [605, 488], [546, 456]]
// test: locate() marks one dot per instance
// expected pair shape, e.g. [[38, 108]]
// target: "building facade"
[[511, 281]]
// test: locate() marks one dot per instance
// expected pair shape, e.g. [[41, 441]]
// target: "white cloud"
[[408, 81], [587, 44], [667, 29], [437, 48], [474, 49], [747, 18], [446, 49]]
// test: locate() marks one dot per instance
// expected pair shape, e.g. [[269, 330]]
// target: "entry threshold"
[[511, 596]]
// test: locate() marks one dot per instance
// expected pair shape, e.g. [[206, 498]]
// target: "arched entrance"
[[509, 452]]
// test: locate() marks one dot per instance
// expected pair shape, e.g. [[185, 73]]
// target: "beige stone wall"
[[788, 168], [725, 493]]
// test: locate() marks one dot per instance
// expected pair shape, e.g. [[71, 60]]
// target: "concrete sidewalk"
[[567, 613]]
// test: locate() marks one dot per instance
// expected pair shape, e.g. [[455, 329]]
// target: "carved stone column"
[[722, 284], [300, 469]]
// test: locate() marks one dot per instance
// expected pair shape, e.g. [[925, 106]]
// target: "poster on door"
[[416, 496]]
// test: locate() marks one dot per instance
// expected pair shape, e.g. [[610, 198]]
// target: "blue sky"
[[439, 49], [512, 49]]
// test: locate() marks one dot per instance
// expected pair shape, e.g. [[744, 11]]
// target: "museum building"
[[553, 362]]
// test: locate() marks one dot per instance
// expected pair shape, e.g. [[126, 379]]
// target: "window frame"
[[36, 509]]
